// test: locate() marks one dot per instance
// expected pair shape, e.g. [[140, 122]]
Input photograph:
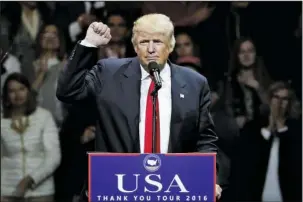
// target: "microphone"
[[154, 70]]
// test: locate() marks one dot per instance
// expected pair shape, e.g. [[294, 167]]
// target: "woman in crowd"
[[30, 149], [247, 83], [268, 166], [51, 52], [186, 52]]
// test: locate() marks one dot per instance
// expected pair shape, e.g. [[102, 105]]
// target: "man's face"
[[118, 29], [152, 47]]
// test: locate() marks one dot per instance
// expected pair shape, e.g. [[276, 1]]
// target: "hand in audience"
[[85, 20], [88, 135]]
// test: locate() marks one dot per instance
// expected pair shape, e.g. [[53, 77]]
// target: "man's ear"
[[171, 48], [135, 48]]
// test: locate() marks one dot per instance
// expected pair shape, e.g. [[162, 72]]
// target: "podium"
[[131, 177]]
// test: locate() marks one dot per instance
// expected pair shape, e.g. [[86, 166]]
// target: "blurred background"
[[250, 52]]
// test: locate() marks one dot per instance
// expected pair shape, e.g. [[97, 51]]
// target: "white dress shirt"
[[164, 99], [165, 104], [272, 190]]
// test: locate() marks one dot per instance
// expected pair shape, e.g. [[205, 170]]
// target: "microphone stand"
[[155, 117]]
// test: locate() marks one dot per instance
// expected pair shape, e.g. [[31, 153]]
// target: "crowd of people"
[[250, 56]]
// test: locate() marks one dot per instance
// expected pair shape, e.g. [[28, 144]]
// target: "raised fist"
[[98, 34]]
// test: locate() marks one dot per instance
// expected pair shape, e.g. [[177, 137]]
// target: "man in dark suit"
[[122, 87]]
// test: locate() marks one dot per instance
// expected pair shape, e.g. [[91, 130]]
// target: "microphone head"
[[153, 66]]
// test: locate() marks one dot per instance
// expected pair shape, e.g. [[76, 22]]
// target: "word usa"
[[155, 182]]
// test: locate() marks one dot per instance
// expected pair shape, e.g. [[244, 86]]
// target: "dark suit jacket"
[[251, 163], [72, 172], [115, 86]]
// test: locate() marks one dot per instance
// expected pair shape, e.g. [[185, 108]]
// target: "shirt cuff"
[[284, 129], [87, 44], [266, 133]]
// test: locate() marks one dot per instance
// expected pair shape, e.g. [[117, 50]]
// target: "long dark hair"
[[62, 45], [259, 69], [31, 103], [196, 49]]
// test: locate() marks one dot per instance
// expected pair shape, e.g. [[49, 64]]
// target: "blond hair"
[[155, 23], [294, 106]]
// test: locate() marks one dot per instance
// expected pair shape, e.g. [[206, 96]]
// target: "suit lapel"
[[130, 85], [179, 94]]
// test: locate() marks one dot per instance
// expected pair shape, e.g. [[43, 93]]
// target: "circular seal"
[[152, 162]]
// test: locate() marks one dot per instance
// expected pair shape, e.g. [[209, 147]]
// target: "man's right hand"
[[98, 34]]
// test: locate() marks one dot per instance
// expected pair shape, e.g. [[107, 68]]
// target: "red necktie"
[[149, 122]]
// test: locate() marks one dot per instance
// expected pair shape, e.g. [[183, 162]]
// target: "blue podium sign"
[[152, 177]]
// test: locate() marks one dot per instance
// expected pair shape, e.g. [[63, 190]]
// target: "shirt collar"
[[164, 74], [266, 133]]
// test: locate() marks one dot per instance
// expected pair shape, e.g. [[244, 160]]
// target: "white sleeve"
[[74, 29], [86, 43], [12, 64], [265, 133], [52, 150]]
